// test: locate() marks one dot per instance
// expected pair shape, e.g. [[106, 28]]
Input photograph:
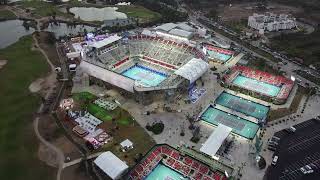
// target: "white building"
[[271, 22]]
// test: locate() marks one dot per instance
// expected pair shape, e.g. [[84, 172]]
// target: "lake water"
[[62, 29], [11, 31], [97, 14]]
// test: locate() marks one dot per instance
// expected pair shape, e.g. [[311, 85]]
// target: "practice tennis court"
[[239, 126], [220, 56], [242, 105], [257, 86]]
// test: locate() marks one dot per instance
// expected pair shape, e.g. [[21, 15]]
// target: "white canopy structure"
[[109, 40], [126, 143], [213, 143], [111, 165], [192, 70], [107, 76]]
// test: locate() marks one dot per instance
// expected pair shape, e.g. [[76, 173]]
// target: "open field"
[[43, 9], [19, 144], [304, 46], [241, 11], [143, 14], [6, 14]]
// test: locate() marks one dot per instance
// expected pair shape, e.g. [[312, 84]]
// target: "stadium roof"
[[192, 70], [148, 33], [213, 143], [166, 27], [180, 32], [185, 27], [111, 164], [169, 26], [109, 40], [107, 76]]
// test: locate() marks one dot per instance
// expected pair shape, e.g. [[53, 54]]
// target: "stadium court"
[[257, 86], [144, 75], [239, 125], [242, 105]]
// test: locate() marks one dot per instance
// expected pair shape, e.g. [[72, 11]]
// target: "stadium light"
[[293, 78]]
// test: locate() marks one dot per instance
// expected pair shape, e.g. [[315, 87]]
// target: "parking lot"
[[295, 150]]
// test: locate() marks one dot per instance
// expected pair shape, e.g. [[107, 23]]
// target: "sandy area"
[[48, 156], [42, 84], [2, 63]]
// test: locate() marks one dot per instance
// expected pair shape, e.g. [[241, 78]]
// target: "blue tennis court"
[[220, 56], [162, 172], [239, 126], [242, 105], [257, 86], [144, 75]]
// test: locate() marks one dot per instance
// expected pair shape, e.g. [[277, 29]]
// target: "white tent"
[[111, 165], [126, 145], [192, 70], [108, 40], [213, 143]]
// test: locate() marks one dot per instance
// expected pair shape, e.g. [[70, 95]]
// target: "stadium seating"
[[280, 81], [186, 165]]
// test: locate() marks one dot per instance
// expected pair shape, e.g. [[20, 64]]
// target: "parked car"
[[307, 169], [275, 160]]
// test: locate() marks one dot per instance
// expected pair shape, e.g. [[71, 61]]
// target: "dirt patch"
[[43, 84], [36, 85], [3, 63], [48, 156], [237, 12]]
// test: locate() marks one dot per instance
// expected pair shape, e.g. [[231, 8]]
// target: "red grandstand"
[[285, 84], [170, 157]]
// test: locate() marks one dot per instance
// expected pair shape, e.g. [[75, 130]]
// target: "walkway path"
[[36, 121]]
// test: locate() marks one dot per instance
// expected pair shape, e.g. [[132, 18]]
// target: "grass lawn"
[[99, 112], [19, 145], [83, 96], [131, 130], [43, 9], [142, 13], [85, 100], [6, 14]]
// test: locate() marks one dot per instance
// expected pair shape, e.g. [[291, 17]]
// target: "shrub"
[[156, 128], [195, 139]]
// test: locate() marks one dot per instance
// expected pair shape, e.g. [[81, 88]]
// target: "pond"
[[97, 14], [11, 31], [62, 29]]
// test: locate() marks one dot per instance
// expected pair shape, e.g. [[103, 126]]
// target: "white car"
[[306, 169], [274, 160]]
